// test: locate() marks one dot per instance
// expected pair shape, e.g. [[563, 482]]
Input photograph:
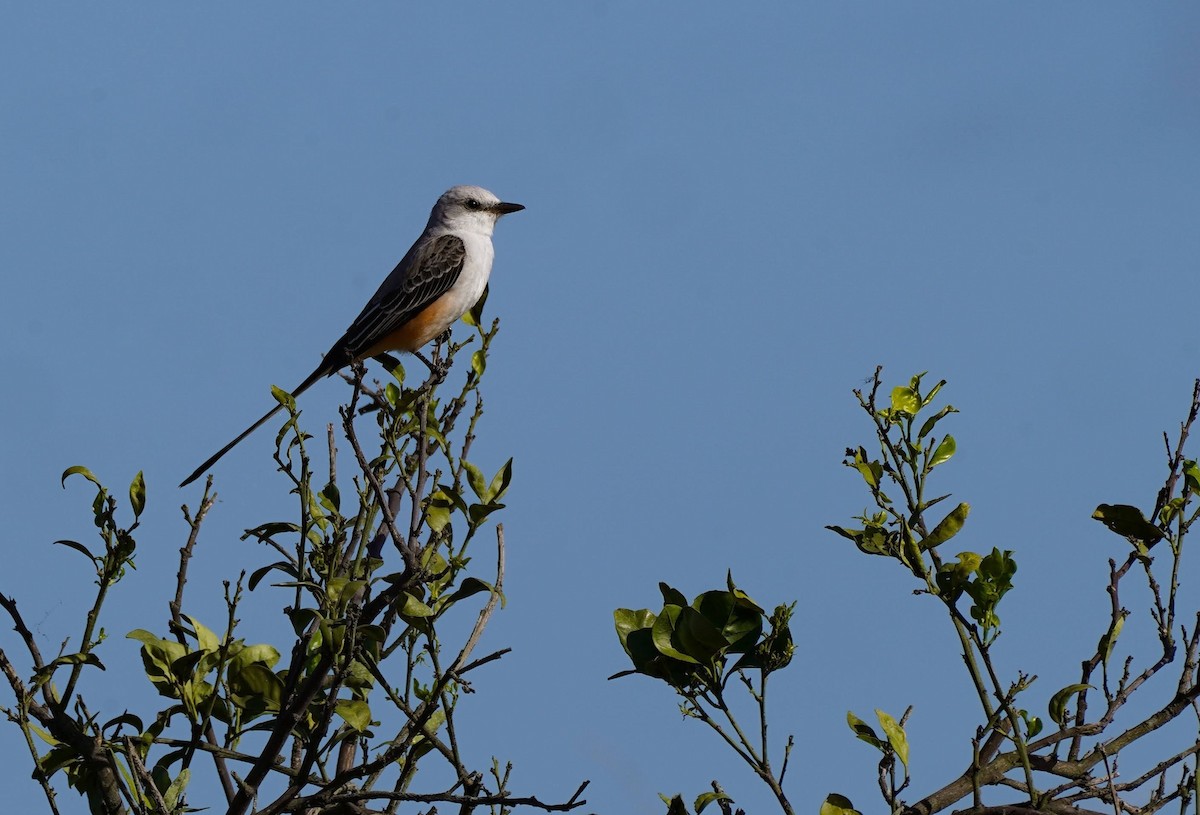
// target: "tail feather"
[[215, 457]]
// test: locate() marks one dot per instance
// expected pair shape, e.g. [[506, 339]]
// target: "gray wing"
[[429, 270]]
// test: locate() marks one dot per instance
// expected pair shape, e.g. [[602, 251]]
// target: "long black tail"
[[215, 457]]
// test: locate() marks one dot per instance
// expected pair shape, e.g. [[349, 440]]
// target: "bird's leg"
[[424, 359], [438, 367]]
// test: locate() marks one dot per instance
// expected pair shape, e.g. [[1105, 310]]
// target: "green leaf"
[[79, 547], [356, 713], [706, 798], [475, 479], [437, 510], [479, 362], [1191, 476], [500, 482], [261, 654], [176, 788], [699, 638], [896, 736], [739, 626], [675, 806], [83, 471], [1109, 639], [1058, 702], [414, 608], [871, 471], [663, 634], [835, 804], [207, 640], [948, 527], [341, 590], [44, 735], [184, 668], [469, 586], [943, 452], [137, 494], [474, 317], [303, 619], [929, 424], [284, 398], [1128, 522], [627, 620], [863, 731], [672, 597], [929, 397], [268, 530], [125, 718], [906, 400], [331, 498], [263, 571]]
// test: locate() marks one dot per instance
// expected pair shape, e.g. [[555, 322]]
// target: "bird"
[[439, 280]]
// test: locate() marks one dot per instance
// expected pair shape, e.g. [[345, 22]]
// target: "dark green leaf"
[[261, 572], [125, 718], [673, 597], [331, 498], [78, 547], [1128, 522], [738, 625], [676, 806], [469, 586]]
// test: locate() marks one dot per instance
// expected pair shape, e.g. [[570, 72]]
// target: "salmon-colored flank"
[[423, 327]]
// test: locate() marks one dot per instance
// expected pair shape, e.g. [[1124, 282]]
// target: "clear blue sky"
[[733, 216]]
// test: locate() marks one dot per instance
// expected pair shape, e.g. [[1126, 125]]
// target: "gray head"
[[469, 209]]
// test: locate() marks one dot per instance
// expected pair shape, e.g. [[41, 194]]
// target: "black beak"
[[504, 208]]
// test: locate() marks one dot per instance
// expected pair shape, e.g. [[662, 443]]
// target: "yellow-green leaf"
[[895, 734]]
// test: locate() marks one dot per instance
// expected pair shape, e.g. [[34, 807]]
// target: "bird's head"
[[469, 209]]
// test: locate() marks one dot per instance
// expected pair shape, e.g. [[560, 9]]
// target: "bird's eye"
[[473, 203]]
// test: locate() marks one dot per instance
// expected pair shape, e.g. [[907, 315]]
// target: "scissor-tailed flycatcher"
[[439, 280]]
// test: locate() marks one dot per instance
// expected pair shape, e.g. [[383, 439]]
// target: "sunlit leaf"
[[948, 527], [906, 400], [356, 713], [945, 450], [835, 804], [895, 734]]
